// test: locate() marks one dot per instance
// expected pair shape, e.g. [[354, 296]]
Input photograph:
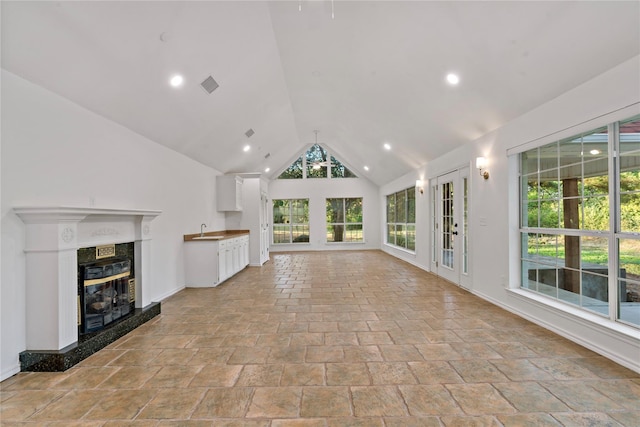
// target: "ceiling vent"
[[249, 133], [266, 156], [209, 84]]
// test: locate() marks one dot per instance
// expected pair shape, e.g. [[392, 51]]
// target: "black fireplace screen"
[[104, 293]]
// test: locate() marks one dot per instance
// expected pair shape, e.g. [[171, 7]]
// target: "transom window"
[[317, 162], [344, 220], [401, 219], [580, 222], [290, 221]]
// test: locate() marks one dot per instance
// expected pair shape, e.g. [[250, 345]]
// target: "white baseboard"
[[8, 373]]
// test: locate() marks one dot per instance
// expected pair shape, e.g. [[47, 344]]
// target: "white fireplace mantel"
[[53, 237]]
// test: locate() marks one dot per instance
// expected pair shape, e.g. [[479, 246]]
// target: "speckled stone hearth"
[[61, 360]]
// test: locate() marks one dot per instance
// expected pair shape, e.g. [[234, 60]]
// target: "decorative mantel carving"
[[53, 237]]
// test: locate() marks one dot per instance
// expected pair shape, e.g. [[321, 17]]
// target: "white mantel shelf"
[[39, 213], [53, 235]]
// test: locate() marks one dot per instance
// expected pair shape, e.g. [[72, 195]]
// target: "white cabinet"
[[208, 263], [229, 193]]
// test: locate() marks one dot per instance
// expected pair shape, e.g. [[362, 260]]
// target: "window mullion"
[[614, 218]]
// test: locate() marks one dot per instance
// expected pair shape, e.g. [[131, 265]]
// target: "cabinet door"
[[223, 273]]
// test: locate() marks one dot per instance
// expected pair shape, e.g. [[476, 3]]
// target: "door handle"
[[455, 233]]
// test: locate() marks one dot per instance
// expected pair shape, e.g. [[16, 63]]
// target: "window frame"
[[609, 237], [404, 226], [290, 225], [344, 223]]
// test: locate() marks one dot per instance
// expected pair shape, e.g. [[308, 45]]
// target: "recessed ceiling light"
[[366, 168], [387, 146], [246, 148], [176, 81], [594, 152], [453, 79], [267, 169]]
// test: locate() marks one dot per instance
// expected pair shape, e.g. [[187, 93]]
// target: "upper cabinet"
[[229, 192]]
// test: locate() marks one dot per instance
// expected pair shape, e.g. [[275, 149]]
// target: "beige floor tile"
[[22, 404], [287, 355], [308, 338], [424, 400], [321, 354], [72, 406], [123, 404], [174, 356], [520, 370], [391, 373], [305, 374], [260, 375], [173, 376], [586, 419], [347, 374], [35, 381], [135, 357], [301, 422], [479, 399], [471, 421], [244, 355], [102, 358], [84, 378], [355, 422], [400, 353], [368, 353], [172, 403], [530, 397], [528, 420], [206, 356], [325, 402], [563, 369], [434, 372], [216, 375], [412, 422], [477, 371], [340, 338], [130, 377], [277, 402], [371, 338], [377, 401], [224, 403], [273, 340], [581, 397]]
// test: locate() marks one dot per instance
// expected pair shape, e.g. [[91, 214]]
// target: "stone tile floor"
[[354, 338]]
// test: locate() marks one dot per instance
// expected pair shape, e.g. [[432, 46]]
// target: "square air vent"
[[209, 84], [249, 133]]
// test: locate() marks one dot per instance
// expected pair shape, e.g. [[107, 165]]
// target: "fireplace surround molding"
[[53, 236]]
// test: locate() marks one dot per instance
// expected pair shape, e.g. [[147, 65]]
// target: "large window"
[[291, 221], [580, 220], [401, 219], [344, 220]]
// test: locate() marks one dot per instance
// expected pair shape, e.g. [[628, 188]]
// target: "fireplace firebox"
[[104, 293]]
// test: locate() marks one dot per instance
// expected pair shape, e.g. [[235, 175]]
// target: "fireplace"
[[57, 240]]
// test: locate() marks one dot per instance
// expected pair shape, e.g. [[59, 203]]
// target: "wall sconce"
[[419, 186], [481, 163]]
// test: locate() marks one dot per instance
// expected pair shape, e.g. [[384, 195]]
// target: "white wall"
[[611, 96], [317, 190], [56, 153]]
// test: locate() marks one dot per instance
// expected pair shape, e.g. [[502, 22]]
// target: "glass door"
[[449, 222]]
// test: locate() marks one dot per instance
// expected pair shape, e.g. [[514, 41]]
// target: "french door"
[[450, 196]]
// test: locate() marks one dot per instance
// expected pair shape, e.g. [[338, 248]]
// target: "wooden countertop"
[[220, 235]]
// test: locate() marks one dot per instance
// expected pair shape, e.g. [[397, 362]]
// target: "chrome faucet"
[[202, 227]]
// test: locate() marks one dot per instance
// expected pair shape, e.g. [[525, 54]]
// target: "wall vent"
[[249, 133], [209, 84]]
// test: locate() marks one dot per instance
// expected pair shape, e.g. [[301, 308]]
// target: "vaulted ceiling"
[[362, 73]]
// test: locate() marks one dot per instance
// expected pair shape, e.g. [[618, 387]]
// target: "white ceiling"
[[373, 73]]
